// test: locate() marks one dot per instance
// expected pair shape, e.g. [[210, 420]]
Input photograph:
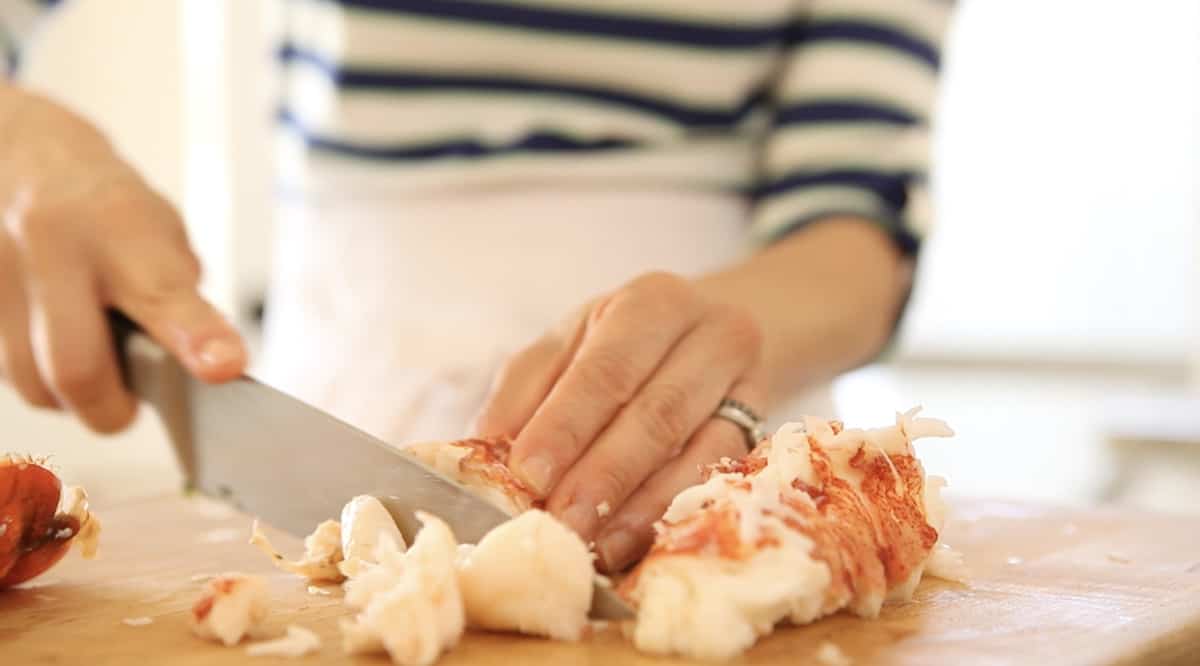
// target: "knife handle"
[[154, 376], [122, 329]]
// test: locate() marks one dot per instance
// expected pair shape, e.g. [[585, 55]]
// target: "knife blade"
[[278, 458]]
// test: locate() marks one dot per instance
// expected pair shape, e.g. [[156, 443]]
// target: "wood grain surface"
[[1049, 586]]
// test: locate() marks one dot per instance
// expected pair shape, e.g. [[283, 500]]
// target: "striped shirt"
[[808, 108]]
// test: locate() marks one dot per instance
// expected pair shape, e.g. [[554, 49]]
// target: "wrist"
[[826, 298]]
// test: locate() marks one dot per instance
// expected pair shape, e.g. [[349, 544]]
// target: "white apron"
[[394, 312]]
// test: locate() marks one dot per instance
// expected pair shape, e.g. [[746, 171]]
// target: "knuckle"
[[741, 329], [660, 282], [139, 221], [662, 414], [608, 375], [612, 481], [661, 294], [156, 287], [568, 439], [555, 436]]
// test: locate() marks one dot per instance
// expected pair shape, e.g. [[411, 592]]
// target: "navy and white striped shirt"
[[809, 107]]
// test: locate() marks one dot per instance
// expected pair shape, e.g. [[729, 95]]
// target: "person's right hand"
[[80, 232]]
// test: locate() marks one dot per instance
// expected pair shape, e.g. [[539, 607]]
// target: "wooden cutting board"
[[1050, 586]]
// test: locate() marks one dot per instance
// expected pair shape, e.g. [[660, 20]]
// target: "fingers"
[[192, 330], [629, 531], [524, 381], [153, 277], [59, 277], [661, 418], [17, 362], [617, 354], [84, 232], [519, 388], [71, 340]]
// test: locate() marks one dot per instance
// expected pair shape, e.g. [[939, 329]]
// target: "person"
[[616, 232]]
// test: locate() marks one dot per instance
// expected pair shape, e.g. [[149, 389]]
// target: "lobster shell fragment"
[[38, 520]]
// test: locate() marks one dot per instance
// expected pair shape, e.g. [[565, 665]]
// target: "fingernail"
[[536, 471], [581, 518], [219, 352], [614, 549]]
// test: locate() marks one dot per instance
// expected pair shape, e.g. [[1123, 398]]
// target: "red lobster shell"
[[33, 535]]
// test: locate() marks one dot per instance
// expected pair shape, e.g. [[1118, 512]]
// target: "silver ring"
[[743, 417]]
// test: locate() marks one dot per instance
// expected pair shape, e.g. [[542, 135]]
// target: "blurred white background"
[[1057, 304]]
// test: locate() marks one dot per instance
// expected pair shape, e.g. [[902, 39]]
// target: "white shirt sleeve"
[[852, 105]]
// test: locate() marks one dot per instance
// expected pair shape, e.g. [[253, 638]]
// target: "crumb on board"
[[137, 621], [829, 654], [231, 606], [318, 591], [220, 535], [210, 508], [296, 643], [1014, 561]]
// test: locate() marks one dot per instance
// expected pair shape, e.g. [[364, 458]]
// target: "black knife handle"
[[154, 376], [122, 328]]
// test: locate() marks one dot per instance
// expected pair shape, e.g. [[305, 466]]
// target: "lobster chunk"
[[39, 520]]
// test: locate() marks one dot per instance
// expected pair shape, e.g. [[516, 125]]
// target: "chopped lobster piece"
[[816, 519], [481, 465]]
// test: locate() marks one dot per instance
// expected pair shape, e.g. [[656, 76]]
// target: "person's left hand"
[[616, 407]]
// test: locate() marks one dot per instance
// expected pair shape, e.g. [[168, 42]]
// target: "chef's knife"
[[293, 465]]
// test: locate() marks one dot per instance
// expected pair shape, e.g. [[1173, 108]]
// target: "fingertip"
[[537, 472], [581, 518], [116, 414], [219, 358], [195, 333], [618, 548]]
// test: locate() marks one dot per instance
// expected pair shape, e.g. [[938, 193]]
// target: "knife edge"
[[186, 406]]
